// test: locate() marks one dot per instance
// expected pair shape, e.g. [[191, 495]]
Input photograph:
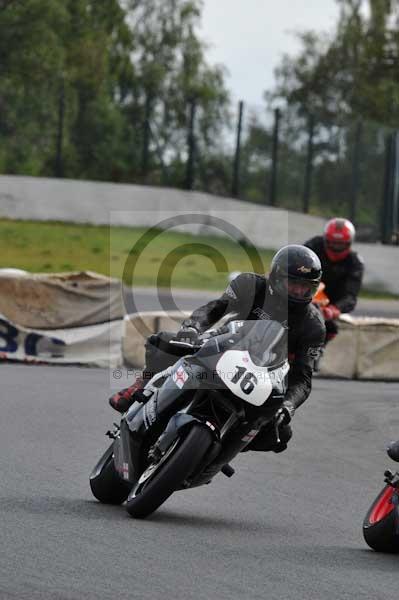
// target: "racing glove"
[[188, 335], [330, 312], [285, 413]]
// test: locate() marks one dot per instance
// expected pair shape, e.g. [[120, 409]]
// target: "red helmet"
[[338, 237]]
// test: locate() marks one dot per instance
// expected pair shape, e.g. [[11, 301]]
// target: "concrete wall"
[[132, 205]]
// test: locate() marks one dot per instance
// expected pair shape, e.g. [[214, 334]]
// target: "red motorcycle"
[[381, 524]]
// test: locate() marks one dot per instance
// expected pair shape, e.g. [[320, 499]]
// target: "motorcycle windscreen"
[[251, 361], [265, 341]]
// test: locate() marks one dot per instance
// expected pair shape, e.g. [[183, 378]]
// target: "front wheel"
[[105, 483], [161, 480], [379, 525]]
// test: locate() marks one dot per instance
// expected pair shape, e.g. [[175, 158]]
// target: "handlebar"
[[227, 328], [186, 345]]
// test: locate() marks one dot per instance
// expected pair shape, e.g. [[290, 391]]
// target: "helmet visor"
[[337, 246], [300, 289]]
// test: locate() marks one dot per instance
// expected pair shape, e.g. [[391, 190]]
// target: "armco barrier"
[[365, 348]]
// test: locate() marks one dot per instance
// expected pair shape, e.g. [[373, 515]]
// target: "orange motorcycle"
[[320, 298]]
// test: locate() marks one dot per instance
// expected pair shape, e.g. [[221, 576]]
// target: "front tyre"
[[184, 458], [105, 483], [379, 525]]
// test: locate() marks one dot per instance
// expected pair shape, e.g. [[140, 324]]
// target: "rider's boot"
[[123, 400], [266, 440]]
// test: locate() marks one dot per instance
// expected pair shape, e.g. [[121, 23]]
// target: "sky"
[[250, 36]]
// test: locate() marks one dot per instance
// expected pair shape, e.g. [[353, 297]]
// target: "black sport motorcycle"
[[381, 524], [200, 413]]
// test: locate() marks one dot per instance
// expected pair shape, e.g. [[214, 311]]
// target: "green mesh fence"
[[305, 165]]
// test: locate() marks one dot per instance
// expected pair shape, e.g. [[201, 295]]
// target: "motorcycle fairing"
[[247, 381], [177, 424], [127, 453], [102, 462], [395, 502]]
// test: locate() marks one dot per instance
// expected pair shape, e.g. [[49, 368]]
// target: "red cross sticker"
[[180, 377]]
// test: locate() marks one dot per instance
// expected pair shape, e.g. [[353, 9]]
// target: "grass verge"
[[197, 262], [193, 262]]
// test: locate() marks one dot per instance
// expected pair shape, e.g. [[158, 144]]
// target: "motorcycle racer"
[[342, 270], [285, 296]]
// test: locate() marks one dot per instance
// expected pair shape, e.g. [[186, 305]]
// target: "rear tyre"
[[105, 483], [183, 461], [380, 523]]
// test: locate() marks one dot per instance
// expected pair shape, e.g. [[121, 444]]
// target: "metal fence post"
[[273, 180], [387, 189], [356, 171], [59, 164], [309, 167], [145, 155], [394, 224], [189, 178], [235, 187]]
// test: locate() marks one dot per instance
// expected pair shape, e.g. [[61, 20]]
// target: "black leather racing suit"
[[250, 297], [343, 279]]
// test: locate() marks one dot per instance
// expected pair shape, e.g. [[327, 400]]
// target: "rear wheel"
[[379, 526], [159, 481], [105, 483]]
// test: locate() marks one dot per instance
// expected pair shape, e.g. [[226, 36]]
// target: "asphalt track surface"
[[146, 299], [285, 526]]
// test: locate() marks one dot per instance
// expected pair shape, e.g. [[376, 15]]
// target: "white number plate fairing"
[[247, 381]]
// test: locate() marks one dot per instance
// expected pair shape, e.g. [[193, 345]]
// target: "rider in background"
[[342, 270]]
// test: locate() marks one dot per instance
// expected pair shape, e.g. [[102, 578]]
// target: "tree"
[[99, 75], [102, 89], [341, 79], [64, 69], [172, 73], [350, 72], [30, 53]]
